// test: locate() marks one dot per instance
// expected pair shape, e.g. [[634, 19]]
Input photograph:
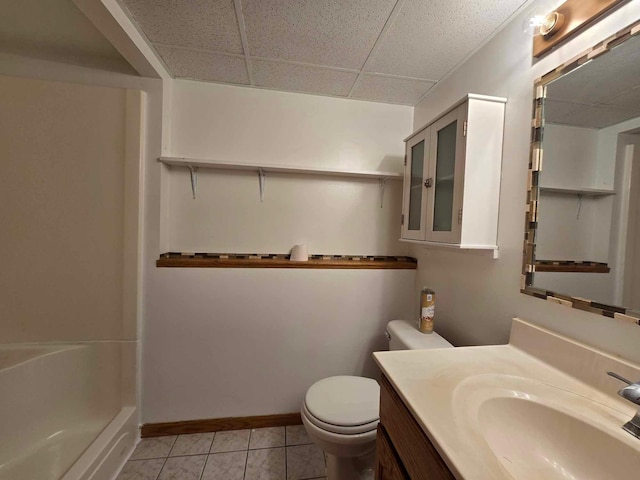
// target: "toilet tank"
[[404, 335]]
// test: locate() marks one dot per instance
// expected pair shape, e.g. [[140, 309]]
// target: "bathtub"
[[62, 415]]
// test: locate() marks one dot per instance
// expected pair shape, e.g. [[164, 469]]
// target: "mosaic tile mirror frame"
[[554, 114]]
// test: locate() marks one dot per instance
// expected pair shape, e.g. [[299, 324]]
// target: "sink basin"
[[536, 431], [532, 440], [540, 408]]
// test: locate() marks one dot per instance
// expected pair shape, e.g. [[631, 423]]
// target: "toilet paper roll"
[[299, 253]]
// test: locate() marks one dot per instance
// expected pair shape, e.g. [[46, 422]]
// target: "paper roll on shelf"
[[299, 253]]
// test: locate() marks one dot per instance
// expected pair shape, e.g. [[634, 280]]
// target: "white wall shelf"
[[193, 164], [199, 163], [586, 192]]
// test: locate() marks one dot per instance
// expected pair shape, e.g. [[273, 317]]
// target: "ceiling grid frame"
[[304, 64], [376, 46], [194, 49], [335, 24], [243, 38]]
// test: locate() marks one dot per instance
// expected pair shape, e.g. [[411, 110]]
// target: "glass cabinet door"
[[414, 201], [445, 178]]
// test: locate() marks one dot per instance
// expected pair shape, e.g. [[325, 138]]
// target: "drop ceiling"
[[602, 92], [380, 50]]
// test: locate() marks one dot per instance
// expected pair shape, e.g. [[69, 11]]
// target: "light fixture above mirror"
[[559, 23], [551, 23]]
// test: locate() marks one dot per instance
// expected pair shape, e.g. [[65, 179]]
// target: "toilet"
[[341, 414]]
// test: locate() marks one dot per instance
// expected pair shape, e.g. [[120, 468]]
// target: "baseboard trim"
[[218, 424]]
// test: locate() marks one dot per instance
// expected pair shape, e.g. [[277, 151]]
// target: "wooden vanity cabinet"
[[403, 451], [388, 465]]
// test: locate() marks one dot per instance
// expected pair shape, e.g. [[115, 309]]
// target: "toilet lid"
[[344, 400]]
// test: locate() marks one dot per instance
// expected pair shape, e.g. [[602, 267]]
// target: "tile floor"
[[278, 453]]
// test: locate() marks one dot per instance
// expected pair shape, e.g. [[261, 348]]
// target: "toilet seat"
[[339, 429], [343, 404]]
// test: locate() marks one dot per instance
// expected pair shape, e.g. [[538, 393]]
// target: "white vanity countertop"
[[447, 389]]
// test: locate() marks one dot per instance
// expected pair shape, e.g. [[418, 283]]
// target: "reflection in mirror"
[[587, 237]]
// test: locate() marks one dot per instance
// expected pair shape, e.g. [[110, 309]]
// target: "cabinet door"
[[445, 177], [415, 198], [388, 465]]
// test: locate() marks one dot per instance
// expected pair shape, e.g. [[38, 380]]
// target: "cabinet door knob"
[[428, 182]]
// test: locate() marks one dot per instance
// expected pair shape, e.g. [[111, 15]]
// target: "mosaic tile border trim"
[[276, 260], [533, 187]]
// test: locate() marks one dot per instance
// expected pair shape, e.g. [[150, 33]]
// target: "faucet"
[[632, 393]]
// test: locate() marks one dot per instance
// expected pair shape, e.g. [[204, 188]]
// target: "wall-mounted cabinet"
[[452, 177]]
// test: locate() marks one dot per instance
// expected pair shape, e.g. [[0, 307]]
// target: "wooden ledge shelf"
[[234, 260], [571, 266], [584, 192]]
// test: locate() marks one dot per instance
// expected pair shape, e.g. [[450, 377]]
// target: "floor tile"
[[266, 437], [230, 441], [183, 468], [225, 466], [304, 462], [155, 447], [265, 464], [368, 474], [141, 469], [193, 444], [297, 435]]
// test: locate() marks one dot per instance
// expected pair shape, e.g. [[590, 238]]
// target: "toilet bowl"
[[341, 414]]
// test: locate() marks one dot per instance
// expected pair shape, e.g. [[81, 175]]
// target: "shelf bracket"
[[382, 182], [193, 172], [580, 197], [261, 179]]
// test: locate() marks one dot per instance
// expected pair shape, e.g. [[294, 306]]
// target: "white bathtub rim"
[[108, 453]]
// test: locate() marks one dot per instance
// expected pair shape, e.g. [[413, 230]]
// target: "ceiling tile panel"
[[381, 88], [556, 110], [609, 76], [205, 24], [589, 116], [335, 33], [199, 65], [428, 38], [598, 116], [630, 100], [302, 78]]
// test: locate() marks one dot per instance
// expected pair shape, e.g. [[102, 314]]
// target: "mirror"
[[582, 238]]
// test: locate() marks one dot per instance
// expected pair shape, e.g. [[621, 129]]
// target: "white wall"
[[477, 296], [571, 157], [240, 342], [612, 143], [246, 124], [329, 214], [571, 160], [577, 157], [629, 291]]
